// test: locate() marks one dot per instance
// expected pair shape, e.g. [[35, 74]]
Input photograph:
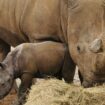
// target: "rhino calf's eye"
[[3, 84]]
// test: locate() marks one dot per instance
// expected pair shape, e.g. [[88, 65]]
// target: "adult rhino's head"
[[6, 80], [86, 34]]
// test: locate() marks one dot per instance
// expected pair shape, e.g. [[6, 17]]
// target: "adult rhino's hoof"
[[86, 84]]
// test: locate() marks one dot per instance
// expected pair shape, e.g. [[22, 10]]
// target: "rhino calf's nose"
[[2, 82]]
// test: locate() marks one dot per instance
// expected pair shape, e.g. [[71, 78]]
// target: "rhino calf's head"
[[6, 81]]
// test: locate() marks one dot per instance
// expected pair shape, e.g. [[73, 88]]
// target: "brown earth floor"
[[9, 98]]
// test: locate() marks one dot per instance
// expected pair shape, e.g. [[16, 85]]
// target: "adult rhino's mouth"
[[94, 70]]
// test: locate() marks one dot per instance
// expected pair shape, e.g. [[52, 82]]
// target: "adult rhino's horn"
[[96, 46]]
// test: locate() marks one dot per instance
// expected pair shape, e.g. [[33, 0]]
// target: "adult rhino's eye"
[[78, 49]]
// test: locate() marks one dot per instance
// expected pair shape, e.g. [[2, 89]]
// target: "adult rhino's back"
[[10, 16], [29, 20]]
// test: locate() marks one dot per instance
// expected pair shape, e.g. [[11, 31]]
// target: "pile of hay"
[[56, 92]]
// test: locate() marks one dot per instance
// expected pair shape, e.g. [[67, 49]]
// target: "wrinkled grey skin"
[[50, 59], [78, 23]]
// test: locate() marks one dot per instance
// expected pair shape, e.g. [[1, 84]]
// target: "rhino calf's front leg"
[[26, 82]]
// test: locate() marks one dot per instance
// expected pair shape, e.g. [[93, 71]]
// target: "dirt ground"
[[9, 98]]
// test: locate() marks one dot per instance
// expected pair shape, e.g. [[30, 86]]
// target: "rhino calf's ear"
[[96, 46]]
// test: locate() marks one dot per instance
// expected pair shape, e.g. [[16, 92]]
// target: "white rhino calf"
[[50, 58]]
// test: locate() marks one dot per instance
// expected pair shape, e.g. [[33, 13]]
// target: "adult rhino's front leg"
[[68, 69], [4, 49], [80, 77]]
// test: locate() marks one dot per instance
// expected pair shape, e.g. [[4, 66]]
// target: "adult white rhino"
[[34, 21], [78, 23]]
